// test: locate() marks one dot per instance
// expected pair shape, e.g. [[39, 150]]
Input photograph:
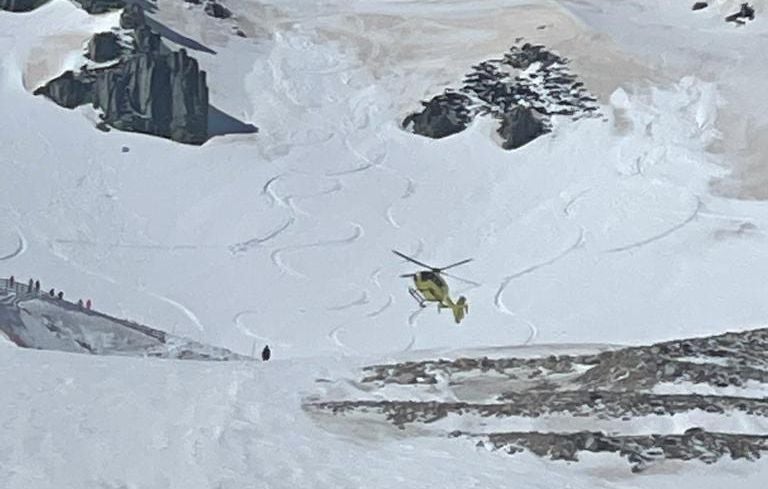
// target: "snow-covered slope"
[[644, 224]]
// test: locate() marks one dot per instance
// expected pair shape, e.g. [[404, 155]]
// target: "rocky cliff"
[[149, 89]]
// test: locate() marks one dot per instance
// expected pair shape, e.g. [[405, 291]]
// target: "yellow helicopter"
[[431, 287]]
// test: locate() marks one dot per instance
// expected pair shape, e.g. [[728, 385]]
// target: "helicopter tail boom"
[[459, 308]]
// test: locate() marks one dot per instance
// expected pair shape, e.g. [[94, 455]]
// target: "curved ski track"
[[21, 247], [244, 246], [276, 255], [498, 299], [663, 235]]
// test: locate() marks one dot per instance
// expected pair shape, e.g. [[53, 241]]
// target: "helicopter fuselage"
[[431, 286]]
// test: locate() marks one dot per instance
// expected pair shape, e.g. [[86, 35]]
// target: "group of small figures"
[[33, 287]]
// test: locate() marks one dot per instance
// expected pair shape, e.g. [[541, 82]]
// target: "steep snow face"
[[605, 230]]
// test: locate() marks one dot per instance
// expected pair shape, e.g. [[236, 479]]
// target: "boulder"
[[132, 17], [699, 5], [104, 46], [100, 6], [746, 12], [20, 5], [442, 116], [146, 41], [217, 10], [161, 94], [527, 54], [519, 126], [68, 90]]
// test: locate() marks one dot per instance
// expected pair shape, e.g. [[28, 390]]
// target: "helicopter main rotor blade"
[[465, 280], [454, 265], [413, 260], [408, 275]]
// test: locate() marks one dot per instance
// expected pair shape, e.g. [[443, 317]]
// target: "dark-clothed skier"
[[266, 353]]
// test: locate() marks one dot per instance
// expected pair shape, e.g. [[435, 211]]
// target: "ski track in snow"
[[362, 300], [276, 255], [272, 196], [410, 189], [383, 308], [244, 246], [413, 323], [21, 247], [663, 235], [245, 330], [567, 207], [181, 307], [291, 199], [498, 298], [375, 277]]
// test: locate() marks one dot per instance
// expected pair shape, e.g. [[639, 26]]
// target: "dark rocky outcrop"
[[442, 116], [132, 17], [161, 94], [20, 5], [104, 46], [520, 126], [523, 89], [524, 56], [146, 41], [69, 90], [100, 6], [151, 90], [217, 10], [746, 12], [699, 5]]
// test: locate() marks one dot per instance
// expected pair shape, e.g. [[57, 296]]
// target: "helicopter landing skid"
[[419, 299]]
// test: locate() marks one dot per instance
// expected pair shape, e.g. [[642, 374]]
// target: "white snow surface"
[[643, 225]]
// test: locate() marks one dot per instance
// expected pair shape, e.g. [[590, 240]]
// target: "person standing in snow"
[[88, 304], [52, 293], [61, 295], [266, 353], [37, 286], [80, 303], [30, 285], [12, 280]]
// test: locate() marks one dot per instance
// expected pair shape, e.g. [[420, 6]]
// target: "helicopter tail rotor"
[[460, 309]]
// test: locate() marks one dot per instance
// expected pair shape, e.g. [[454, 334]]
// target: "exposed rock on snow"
[[217, 10], [528, 77], [699, 5], [520, 125], [640, 451], [152, 90], [20, 5], [613, 385], [442, 116], [100, 6], [104, 46], [132, 17], [69, 90], [746, 12], [176, 101]]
